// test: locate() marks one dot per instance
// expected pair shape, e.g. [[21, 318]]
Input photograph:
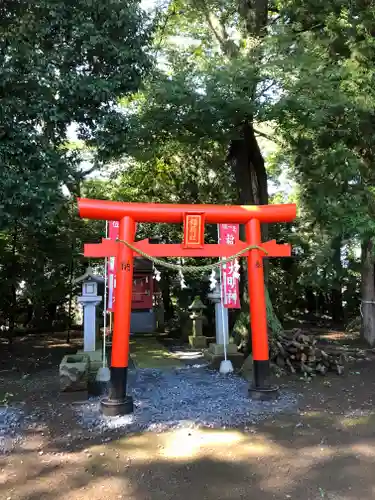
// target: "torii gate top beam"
[[157, 212]]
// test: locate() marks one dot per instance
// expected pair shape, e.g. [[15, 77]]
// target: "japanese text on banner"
[[229, 235], [113, 233]]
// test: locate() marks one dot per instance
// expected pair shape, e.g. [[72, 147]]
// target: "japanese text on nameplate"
[[229, 235]]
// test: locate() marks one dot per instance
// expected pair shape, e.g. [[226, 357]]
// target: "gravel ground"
[[187, 397], [10, 427]]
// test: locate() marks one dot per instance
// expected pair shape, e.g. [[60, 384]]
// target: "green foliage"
[[62, 64], [300, 72], [297, 78], [326, 117]]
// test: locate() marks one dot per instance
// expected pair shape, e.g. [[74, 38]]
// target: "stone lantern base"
[[198, 341], [215, 355]]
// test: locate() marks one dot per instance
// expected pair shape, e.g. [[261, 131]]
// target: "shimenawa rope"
[[192, 269]]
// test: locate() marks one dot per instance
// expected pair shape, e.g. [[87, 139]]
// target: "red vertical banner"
[[113, 232], [229, 235]]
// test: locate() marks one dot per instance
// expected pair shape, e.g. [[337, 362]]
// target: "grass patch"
[[147, 352], [364, 420], [6, 398]]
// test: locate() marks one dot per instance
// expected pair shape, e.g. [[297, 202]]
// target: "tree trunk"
[[13, 289], [310, 301], [337, 309], [244, 153], [76, 191], [165, 288], [250, 175], [368, 292], [248, 167]]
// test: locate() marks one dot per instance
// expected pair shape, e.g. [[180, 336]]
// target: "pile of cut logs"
[[298, 353]]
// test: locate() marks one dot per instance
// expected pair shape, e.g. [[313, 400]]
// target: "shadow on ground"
[[276, 461], [325, 450]]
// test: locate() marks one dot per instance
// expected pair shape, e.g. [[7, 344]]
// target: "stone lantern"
[[197, 339], [89, 300]]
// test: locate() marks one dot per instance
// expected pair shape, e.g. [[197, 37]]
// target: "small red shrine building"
[[143, 317]]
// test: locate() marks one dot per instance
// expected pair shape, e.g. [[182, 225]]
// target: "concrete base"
[[210, 340], [218, 349], [115, 408], [198, 342], [264, 394], [215, 360]]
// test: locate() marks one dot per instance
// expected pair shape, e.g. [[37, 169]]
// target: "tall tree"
[[212, 87], [210, 90], [326, 116], [62, 63]]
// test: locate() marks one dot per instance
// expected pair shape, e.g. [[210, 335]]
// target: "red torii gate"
[[194, 218]]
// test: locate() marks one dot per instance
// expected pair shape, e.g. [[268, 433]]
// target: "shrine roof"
[[89, 276]]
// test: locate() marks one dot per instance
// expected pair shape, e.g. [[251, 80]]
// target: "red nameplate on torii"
[[194, 230]]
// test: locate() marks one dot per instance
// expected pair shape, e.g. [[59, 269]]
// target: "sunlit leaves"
[[61, 62]]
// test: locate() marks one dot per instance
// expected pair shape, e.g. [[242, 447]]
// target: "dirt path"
[[325, 450]]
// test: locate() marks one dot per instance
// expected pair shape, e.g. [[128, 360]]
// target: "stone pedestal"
[[218, 349], [221, 315], [74, 373], [215, 355], [198, 341]]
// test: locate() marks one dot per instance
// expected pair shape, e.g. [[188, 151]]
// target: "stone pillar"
[[197, 339], [89, 304], [215, 352], [221, 322]]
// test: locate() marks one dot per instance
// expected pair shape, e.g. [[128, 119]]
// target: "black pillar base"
[[264, 394], [117, 408], [117, 403], [261, 389], [98, 388]]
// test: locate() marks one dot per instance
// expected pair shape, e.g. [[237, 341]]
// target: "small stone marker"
[[74, 373], [197, 340]]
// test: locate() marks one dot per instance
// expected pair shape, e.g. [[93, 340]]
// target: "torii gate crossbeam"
[[194, 218]]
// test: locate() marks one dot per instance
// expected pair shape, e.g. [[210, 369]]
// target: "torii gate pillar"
[[118, 402], [193, 217]]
